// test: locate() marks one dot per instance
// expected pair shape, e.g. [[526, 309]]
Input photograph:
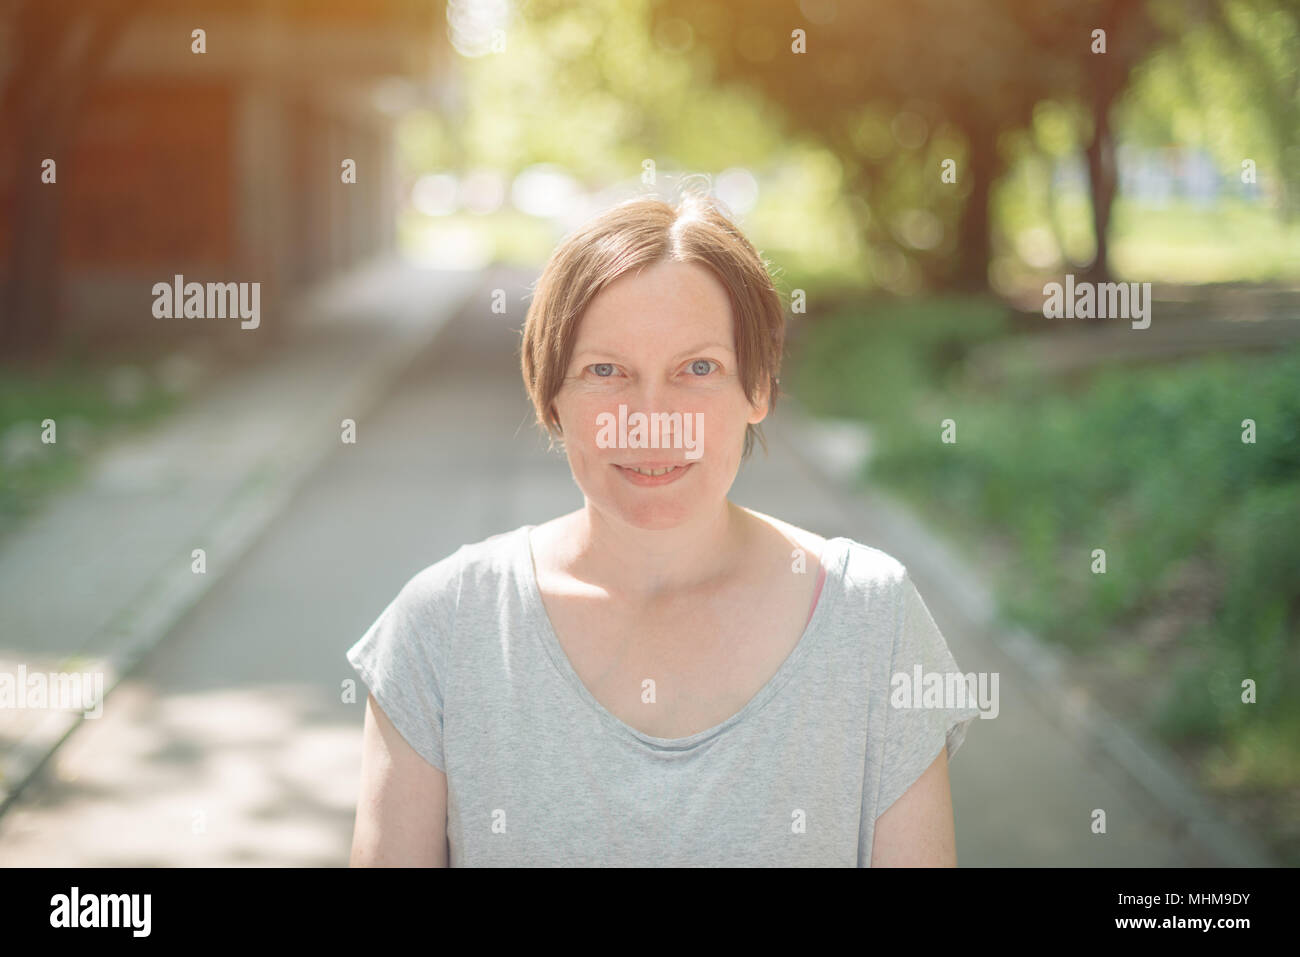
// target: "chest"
[[678, 667]]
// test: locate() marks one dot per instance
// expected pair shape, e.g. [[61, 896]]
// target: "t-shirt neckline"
[[834, 563]]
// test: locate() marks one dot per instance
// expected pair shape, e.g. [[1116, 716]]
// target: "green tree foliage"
[[897, 88], [1231, 83]]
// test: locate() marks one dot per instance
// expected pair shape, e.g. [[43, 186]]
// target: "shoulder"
[[866, 565], [859, 566], [872, 583], [794, 536], [472, 565]]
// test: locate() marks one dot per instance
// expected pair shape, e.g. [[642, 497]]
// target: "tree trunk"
[[1102, 181], [974, 245]]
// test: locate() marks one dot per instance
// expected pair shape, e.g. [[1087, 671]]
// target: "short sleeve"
[[402, 658], [931, 704]]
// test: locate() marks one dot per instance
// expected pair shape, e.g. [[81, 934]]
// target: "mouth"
[[654, 474]]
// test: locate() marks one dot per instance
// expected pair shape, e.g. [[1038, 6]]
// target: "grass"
[[1200, 596], [88, 400], [1178, 242]]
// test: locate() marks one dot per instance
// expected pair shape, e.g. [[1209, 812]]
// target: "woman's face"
[[654, 363]]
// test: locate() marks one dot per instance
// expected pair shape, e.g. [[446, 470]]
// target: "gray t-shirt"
[[466, 665]]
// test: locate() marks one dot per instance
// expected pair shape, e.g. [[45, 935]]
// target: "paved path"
[[98, 577], [230, 744]]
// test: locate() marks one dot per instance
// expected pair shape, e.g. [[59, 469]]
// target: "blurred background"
[[183, 509]]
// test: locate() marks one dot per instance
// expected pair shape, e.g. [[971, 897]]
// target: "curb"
[[268, 487], [1147, 764]]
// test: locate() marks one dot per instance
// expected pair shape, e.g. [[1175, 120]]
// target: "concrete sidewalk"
[[95, 581]]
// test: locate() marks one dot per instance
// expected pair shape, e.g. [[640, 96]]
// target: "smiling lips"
[[654, 473]]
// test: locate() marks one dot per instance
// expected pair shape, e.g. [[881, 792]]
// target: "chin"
[[651, 509], [653, 516]]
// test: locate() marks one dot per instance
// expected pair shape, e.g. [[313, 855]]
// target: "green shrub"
[[1146, 462]]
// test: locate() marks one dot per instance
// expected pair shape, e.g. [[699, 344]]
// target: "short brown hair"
[[639, 233]]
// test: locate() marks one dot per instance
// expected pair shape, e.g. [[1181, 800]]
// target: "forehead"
[[660, 299]]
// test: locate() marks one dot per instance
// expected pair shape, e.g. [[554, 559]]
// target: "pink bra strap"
[[821, 580]]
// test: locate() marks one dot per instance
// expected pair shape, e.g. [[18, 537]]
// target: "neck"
[[640, 564]]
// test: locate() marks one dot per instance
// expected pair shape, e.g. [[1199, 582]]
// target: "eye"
[[702, 367], [602, 370]]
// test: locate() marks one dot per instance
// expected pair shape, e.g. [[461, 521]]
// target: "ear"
[[760, 406]]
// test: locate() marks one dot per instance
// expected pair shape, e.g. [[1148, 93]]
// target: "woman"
[[661, 677]]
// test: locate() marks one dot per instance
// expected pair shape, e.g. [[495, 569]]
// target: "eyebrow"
[[702, 347]]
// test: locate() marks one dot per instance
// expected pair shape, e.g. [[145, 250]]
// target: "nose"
[[649, 395], [658, 395]]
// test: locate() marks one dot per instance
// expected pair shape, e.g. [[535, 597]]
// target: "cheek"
[[579, 414], [728, 414]]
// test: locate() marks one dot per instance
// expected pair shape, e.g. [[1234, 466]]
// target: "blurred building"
[[226, 165]]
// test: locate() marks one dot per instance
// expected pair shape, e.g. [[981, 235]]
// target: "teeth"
[[653, 471]]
